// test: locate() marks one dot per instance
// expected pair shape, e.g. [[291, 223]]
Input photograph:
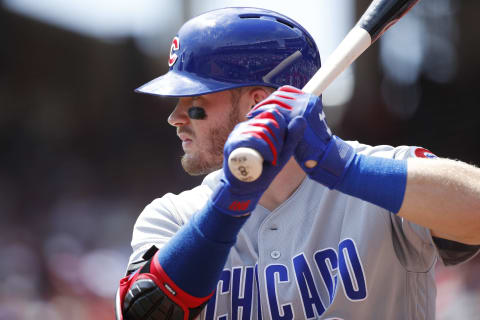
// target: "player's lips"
[[186, 140]]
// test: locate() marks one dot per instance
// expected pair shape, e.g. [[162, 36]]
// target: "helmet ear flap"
[[259, 48]]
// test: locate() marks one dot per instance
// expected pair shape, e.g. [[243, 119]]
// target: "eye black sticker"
[[197, 113]]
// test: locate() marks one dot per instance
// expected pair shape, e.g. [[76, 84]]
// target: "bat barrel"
[[382, 14]]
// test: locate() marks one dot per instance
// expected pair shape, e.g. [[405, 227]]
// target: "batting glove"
[[323, 156], [275, 139]]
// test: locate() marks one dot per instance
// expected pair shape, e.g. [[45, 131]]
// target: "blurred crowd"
[[458, 291], [80, 157]]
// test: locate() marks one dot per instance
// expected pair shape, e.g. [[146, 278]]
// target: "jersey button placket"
[[275, 254], [268, 253]]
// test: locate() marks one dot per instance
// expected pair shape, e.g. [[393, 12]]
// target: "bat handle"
[[245, 164]]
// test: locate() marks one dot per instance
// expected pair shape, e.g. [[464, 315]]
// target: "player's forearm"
[[195, 256], [444, 196], [182, 276]]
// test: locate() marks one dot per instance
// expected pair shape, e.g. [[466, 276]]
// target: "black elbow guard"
[[149, 294]]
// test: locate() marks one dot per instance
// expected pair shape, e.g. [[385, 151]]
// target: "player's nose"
[[179, 116]]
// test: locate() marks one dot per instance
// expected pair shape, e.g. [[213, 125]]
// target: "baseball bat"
[[245, 163]]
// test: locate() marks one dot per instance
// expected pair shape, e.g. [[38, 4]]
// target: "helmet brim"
[[174, 84]]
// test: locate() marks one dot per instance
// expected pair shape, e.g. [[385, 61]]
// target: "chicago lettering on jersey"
[[239, 287]]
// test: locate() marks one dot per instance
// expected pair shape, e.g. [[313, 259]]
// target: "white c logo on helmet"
[[175, 46]]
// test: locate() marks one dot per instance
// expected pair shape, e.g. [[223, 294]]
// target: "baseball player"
[[330, 230]]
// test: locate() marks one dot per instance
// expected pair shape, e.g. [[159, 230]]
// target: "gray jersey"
[[321, 254]]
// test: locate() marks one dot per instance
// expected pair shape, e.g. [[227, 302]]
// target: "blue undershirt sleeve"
[[195, 256], [380, 181]]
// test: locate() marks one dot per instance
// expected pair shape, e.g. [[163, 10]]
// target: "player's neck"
[[283, 186]]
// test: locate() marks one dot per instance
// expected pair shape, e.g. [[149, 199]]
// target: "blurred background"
[[81, 154]]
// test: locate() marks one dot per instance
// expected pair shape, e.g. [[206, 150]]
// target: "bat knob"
[[245, 164]]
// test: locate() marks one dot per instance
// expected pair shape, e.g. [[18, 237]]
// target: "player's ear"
[[252, 96], [259, 94]]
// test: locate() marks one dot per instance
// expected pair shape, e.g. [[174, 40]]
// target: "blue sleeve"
[[195, 256], [380, 181]]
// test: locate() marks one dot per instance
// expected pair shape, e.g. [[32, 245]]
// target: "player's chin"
[[196, 165]]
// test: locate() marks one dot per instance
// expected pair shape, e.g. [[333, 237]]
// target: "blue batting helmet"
[[236, 47]]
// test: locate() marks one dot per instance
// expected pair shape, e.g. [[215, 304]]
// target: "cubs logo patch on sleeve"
[[423, 153]]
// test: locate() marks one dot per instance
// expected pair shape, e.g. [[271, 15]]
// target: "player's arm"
[[439, 194], [178, 280], [444, 196]]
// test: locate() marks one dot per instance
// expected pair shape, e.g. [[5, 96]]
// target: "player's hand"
[[275, 139], [323, 156]]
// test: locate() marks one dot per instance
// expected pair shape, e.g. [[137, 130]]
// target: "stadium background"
[[81, 154]]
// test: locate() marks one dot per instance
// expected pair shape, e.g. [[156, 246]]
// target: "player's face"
[[203, 139]]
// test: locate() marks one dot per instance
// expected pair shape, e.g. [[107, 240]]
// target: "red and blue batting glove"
[[275, 139], [331, 155], [332, 162]]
